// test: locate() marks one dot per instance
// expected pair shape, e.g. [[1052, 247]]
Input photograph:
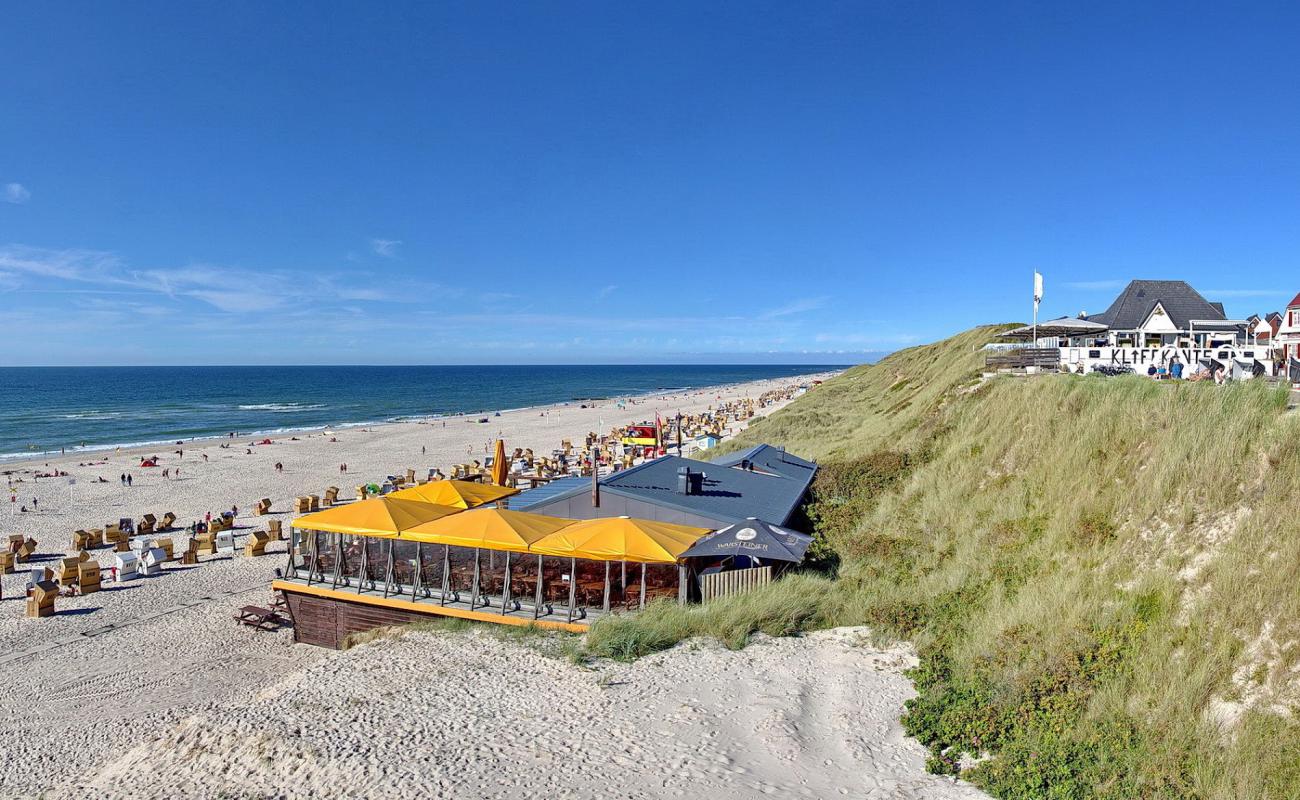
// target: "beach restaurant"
[[452, 548], [398, 559]]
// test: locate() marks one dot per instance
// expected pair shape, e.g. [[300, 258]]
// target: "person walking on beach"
[[164, 473], [122, 478], [128, 479], [177, 473]]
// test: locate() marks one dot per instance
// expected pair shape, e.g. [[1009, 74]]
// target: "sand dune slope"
[[471, 715]]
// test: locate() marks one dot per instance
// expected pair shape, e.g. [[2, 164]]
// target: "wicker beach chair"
[[67, 572], [331, 496], [147, 524], [262, 508], [301, 505], [40, 603], [80, 540], [168, 520], [165, 544], [113, 533], [88, 576], [6, 563], [256, 544], [206, 543], [274, 530], [191, 553], [27, 549]]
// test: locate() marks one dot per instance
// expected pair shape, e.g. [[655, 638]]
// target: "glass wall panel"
[[404, 566]]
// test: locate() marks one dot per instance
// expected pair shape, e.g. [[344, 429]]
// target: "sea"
[[46, 409]]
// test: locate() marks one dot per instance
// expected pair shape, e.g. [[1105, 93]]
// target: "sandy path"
[[473, 716]]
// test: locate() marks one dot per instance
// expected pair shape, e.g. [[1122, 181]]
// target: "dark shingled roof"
[[772, 491], [1135, 303]]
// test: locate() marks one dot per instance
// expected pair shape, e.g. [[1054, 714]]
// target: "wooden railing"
[[726, 584], [1022, 357]]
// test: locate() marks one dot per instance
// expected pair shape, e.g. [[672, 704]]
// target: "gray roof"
[[548, 491], [772, 491], [1135, 303], [767, 458]]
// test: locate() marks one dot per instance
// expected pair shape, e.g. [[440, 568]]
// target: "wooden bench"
[[263, 619]]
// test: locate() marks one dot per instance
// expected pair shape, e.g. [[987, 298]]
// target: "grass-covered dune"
[[1102, 575]]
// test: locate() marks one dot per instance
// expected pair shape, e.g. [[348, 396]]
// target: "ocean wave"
[[92, 415], [282, 407]]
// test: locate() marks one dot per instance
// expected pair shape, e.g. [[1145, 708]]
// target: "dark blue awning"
[[754, 538]]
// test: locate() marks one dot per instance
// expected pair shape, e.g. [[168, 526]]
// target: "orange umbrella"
[[462, 494], [380, 516], [500, 467], [489, 528], [620, 539]]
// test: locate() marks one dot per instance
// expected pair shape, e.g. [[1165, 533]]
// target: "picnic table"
[[264, 619]]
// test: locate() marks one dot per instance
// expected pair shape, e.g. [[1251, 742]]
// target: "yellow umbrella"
[[379, 516], [500, 467], [461, 494], [621, 539], [489, 528]]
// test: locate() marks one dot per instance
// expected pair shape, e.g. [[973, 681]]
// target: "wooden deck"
[[325, 616]]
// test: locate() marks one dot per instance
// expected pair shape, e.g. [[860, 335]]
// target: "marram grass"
[[1100, 574]]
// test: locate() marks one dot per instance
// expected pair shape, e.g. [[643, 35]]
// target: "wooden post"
[[537, 601], [681, 584], [642, 585], [338, 558], [293, 541], [573, 584], [418, 578], [361, 568], [388, 570], [446, 574], [311, 556], [605, 606], [505, 586], [473, 593]]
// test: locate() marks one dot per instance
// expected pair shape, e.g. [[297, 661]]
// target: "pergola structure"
[[392, 561]]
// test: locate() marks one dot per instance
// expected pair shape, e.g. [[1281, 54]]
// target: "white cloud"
[[607, 291], [795, 307], [16, 193], [385, 247]]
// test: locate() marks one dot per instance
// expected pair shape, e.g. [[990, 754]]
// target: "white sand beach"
[[151, 690]]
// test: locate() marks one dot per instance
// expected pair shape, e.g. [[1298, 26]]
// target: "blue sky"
[[252, 182]]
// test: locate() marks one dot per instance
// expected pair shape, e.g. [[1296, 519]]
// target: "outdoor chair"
[[274, 530], [80, 540], [168, 520], [165, 544], [256, 544], [27, 549], [40, 603], [301, 505], [67, 574], [331, 496], [262, 508], [206, 543], [6, 562], [191, 553], [147, 523], [88, 576]]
